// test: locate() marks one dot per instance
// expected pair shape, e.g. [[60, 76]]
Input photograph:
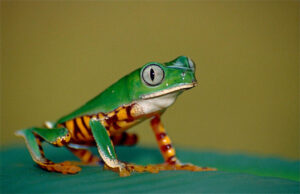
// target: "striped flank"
[[119, 119]]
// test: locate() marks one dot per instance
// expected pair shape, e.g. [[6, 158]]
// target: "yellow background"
[[57, 55]]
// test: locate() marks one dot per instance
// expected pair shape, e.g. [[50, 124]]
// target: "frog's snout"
[[191, 65], [186, 73]]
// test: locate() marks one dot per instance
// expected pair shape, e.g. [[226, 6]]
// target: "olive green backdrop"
[[58, 55]]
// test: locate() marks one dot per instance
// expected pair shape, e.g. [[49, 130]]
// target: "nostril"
[[183, 75]]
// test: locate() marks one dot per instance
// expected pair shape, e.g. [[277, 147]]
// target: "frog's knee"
[[62, 140], [57, 137], [19, 133], [49, 124], [24, 132]]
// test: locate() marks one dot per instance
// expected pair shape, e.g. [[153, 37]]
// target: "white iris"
[[153, 75]]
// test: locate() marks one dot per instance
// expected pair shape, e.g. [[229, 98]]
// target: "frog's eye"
[[153, 75]]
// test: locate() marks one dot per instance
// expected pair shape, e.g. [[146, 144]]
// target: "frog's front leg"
[[168, 151], [106, 148], [107, 152], [56, 136]]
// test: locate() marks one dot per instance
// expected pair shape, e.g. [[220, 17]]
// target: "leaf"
[[20, 174]]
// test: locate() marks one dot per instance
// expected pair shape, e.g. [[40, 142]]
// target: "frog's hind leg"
[[124, 138], [56, 136], [85, 155]]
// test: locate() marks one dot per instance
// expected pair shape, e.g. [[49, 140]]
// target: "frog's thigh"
[[57, 137]]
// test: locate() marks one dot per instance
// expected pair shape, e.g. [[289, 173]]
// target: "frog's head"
[[159, 79]]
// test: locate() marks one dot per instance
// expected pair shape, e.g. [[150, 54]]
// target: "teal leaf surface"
[[237, 173]]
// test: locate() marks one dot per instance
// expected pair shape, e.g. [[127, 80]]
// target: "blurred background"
[[58, 55]]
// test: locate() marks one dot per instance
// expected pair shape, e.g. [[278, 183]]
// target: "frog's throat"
[[169, 90]]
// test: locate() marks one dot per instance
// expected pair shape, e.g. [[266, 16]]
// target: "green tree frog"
[[102, 122]]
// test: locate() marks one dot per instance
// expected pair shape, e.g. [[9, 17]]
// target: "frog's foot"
[[140, 168], [122, 169], [155, 168], [66, 167], [126, 169], [179, 166]]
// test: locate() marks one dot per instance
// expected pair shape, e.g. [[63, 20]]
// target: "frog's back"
[[108, 100]]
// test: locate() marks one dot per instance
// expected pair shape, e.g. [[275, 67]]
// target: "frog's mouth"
[[169, 90]]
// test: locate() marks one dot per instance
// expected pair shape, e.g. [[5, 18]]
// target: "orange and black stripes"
[[80, 132], [124, 139], [39, 143], [82, 128], [79, 129], [119, 119], [64, 167], [129, 116], [61, 141], [86, 121], [85, 156], [163, 140]]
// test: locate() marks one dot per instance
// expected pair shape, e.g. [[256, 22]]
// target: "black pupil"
[[152, 74]]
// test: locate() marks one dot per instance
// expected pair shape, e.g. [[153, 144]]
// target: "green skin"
[[119, 93], [127, 90]]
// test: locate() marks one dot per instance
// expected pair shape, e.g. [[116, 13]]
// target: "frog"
[[102, 122]]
